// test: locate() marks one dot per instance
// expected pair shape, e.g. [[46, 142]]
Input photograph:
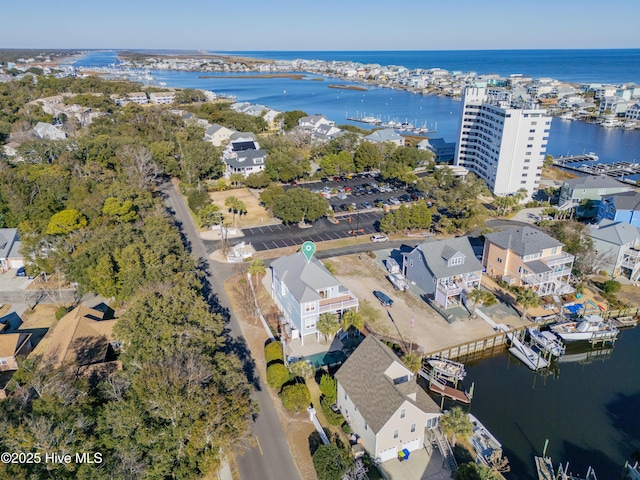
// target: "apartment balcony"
[[337, 304], [630, 258]]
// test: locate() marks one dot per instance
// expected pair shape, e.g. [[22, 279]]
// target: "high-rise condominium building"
[[504, 146]]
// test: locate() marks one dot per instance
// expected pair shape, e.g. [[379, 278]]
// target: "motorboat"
[[546, 341], [449, 369], [590, 328], [526, 354]]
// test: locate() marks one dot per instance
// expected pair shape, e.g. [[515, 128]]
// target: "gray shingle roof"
[[377, 398], [523, 241], [594, 181], [437, 254], [7, 239], [624, 201], [303, 278], [247, 158], [617, 233]]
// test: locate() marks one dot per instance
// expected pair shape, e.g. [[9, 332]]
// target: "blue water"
[[590, 413], [604, 66]]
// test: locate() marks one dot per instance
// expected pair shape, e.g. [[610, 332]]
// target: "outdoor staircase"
[[446, 450]]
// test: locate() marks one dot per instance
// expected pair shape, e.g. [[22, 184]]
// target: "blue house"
[[305, 290], [621, 207], [443, 269]]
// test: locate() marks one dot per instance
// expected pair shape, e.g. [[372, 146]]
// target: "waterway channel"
[[588, 408]]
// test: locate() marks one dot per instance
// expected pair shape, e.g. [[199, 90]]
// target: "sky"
[[264, 25]]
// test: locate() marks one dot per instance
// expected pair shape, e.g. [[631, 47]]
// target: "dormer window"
[[457, 259]]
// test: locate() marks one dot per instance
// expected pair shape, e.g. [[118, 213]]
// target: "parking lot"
[[269, 237]]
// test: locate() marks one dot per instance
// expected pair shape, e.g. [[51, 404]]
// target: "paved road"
[[271, 457]]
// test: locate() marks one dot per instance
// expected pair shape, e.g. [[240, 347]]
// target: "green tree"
[[65, 222], [352, 319], [197, 199], [236, 206], [270, 194], [367, 156], [189, 95], [328, 325], [299, 203], [473, 471], [331, 462], [527, 297], [329, 387], [277, 375], [483, 297], [236, 179], [209, 215], [257, 180], [290, 119], [256, 268], [120, 212], [456, 422], [295, 397]]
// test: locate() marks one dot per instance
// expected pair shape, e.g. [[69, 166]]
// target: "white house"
[[382, 402], [312, 122], [243, 156], [162, 98], [303, 290]]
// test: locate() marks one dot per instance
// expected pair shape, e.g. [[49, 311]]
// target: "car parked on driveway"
[[383, 298], [379, 237]]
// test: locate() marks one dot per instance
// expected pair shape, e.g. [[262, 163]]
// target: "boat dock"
[[404, 127], [438, 386], [588, 164]]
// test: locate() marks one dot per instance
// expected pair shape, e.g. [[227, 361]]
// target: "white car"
[[379, 237]]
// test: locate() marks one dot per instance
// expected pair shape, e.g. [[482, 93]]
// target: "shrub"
[[295, 397], [273, 351], [329, 387], [61, 312], [346, 428], [335, 419], [610, 287], [277, 375], [197, 199]]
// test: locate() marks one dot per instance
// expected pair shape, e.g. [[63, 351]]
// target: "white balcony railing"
[[338, 305], [561, 259]]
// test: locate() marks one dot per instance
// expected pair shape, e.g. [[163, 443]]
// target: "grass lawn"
[[256, 213]]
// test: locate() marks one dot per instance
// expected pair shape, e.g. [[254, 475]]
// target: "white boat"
[[448, 369], [487, 448], [526, 354], [591, 327], [546, 341]]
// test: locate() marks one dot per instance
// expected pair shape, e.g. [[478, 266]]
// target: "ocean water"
[[589, 66], [590, 411]]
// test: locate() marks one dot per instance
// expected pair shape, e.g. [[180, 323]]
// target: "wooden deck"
[[441, 388]]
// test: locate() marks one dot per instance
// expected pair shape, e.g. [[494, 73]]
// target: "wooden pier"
[[588, 164], [441, 388]]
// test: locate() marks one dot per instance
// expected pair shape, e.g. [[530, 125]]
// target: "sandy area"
[[256, 213], [431, 332]]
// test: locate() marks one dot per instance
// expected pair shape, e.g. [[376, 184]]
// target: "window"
[[499, 260], [3, 361], [403, 413], [395, 433], [413, 427], [309, 307], [457, 260]]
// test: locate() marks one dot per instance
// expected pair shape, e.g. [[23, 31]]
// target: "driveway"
[[9, 282], [422, 465]]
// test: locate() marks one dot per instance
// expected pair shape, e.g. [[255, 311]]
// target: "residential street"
[[270, 458]]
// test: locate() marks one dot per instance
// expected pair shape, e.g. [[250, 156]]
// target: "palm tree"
[[302, 369], [328, 325], [256, 267], [527, 297], [456, 423], [352, 319], [413, 361], [483, 297]]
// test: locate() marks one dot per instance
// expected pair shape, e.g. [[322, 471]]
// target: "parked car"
[[22, 272], [366, 205], [383, 298], [324, 180], [344, 207], [394, 201], [379, 237]]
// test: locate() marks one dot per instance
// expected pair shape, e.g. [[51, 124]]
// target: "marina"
[[400, 127], [588, 164]]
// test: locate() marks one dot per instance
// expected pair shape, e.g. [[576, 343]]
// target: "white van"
[[379, 237]]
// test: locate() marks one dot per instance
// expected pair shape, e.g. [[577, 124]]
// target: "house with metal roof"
[[618, 247], [621, 207], [386, 135], [383, 404], [528, 257], [445, 270], [244, 156], [303, 290], [584, 193]]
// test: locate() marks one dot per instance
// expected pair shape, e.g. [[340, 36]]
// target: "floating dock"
[[588, 164]]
